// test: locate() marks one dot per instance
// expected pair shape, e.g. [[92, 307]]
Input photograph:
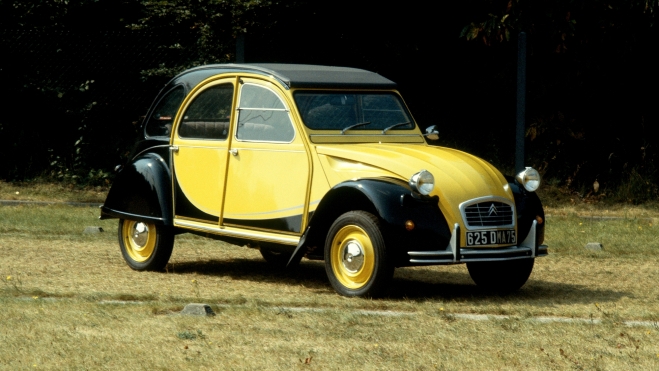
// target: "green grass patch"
[[635, 238], [45, 222]]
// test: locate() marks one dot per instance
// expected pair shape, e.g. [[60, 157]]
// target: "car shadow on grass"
[[309, 273], [535, 293], [417, 284]]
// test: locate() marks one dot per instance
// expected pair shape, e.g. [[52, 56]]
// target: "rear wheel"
[[356, 258], [145, 246], [501, 276]]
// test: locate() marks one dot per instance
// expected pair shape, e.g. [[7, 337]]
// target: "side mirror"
[[432, 133]]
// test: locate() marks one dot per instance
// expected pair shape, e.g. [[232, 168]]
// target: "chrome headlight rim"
[[529, 178], [422, 182]]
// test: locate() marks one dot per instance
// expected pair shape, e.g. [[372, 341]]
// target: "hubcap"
[[353, 256], [139, 239], [140, 234]]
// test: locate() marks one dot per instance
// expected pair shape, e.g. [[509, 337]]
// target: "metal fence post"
[[240, 48], [521, 103]]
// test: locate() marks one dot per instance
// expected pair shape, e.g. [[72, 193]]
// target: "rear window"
[[162, 117]]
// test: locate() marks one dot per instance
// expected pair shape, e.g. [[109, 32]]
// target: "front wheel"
[[356, 258], [145, 246], [501, 276]]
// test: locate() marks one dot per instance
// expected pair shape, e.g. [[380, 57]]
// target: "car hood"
[[459, 176]]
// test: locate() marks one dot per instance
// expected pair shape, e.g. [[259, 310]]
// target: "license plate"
[[498, 237]]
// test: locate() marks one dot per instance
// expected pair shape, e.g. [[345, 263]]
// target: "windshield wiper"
[[384, 131], [355, 125]]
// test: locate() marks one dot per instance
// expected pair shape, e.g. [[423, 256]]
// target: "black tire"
[[275, 258], [145, 246], [501, 276], [365, 270]]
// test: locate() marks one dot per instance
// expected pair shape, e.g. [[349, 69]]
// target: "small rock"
[[594, 246], [90, 230], [198, 310]]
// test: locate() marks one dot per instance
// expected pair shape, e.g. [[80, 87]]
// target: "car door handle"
[[234, 152]]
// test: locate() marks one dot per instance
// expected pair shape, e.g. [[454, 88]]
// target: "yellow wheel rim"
[[352, 257], [139, 239]]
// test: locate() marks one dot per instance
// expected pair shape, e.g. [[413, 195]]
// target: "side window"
[[262, 116], [160, 121], [208, 115]]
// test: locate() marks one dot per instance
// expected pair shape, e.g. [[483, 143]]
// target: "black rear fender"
[[142, 191]]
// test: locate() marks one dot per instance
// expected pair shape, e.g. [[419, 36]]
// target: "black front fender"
[[141, 191], [395, 203], [529, 208]]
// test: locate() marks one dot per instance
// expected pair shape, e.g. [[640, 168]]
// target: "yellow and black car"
[[320, 162]]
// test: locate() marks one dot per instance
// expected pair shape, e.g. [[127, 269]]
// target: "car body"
[[320, 162]]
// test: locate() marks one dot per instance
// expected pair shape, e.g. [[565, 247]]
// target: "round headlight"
[[422, 182], [529, 178]]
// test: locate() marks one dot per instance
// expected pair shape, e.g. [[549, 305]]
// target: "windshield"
[[363, 111]]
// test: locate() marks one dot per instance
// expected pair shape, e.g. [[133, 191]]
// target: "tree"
[[89, 69], [216, 25], [590, 66]]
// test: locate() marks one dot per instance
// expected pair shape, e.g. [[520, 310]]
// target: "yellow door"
[[266, 186], [200, 153]]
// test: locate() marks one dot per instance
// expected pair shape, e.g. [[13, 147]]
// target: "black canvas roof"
[[296, 75]]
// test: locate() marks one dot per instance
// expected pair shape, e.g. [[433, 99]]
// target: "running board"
[[238, 233]]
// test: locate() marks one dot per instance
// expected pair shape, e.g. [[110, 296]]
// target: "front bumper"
[[453, 254]]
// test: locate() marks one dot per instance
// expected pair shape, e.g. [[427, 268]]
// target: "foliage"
[[588, 115], [562, 23], [72, 61], [66, 14], [216, 25]]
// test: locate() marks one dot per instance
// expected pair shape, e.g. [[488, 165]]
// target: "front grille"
[[488, 214]]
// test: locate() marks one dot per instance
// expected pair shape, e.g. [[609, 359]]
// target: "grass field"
[[68, 301]]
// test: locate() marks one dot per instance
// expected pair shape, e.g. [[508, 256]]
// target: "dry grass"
[[589, 201], [69, 302], [43, 191], [604, 211], [70, 334]]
